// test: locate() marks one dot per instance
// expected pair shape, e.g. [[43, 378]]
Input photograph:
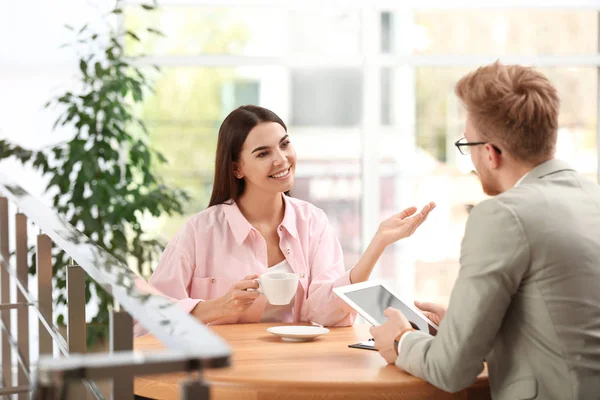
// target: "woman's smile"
[[282, 175]]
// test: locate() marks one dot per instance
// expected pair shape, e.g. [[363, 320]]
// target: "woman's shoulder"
[[199, 230], [206, 220], [305, 210]]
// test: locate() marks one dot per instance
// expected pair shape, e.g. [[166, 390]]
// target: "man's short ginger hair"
[[514, 107]]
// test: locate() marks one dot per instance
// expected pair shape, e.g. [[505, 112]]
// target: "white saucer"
[[298, 333]]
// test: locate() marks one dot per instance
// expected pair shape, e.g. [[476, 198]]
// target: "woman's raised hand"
[[402, 225]]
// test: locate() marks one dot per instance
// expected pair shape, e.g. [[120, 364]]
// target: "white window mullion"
[[391, 5], [598, 108], [472, 60], [403, 117], [392, 60], [235, 60], [370, 126]]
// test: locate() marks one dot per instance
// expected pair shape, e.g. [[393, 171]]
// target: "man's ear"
[[494, 158]]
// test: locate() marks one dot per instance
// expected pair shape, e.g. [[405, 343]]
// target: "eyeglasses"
[[465, 147]]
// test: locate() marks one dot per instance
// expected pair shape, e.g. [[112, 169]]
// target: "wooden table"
[[265, 367]]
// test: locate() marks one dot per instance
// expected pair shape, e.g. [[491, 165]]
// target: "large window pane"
[[420, 115], [185, 113], [244, 31], [527, 32], [316, 95], [189, 105], [330, 179], [438, 172], [440, 117]]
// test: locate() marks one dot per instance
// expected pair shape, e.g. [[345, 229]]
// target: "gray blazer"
[[527, 297]]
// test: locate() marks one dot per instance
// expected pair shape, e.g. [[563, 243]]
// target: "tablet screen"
[[375, 299]]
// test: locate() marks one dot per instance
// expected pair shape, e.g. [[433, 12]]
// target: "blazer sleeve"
[[494, 257], [326, 272]]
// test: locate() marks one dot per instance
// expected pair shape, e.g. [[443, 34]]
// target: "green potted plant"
[[103, 180]]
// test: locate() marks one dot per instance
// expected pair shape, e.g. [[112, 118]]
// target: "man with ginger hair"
[[527, 297]]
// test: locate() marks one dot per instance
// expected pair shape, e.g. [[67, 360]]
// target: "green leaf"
[[117, 11], [142, 125], [41, 161], [83, 67], [33, 268], [110, 53], [161, 157], [69, 27], [57, 122], [156, 32], [124, 90], [133, 35], [61, 283], [137, 93], [88, 294], [65, 98], [83, 29], [98, 69], [148, 7], [116, 43]]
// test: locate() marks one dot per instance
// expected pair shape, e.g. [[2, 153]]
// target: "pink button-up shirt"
[[218, 247]]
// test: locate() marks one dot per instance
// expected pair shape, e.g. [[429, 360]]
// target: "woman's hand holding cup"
[[238, 299]]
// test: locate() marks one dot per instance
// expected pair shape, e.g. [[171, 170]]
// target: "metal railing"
[[190, 346]]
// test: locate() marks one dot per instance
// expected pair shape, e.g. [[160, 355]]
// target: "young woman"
[[253, 227]]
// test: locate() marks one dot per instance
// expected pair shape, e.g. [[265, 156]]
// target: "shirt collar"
[[240, 227], [521, 179], [289, 217], [546, 168]]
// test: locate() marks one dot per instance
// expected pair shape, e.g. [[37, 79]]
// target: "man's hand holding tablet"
[[379, 305], [370, 299]]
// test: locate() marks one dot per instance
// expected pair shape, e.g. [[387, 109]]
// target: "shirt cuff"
[[187, 305], [343, 280], [405, 334]]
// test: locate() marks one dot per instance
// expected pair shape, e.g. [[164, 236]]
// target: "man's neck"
[[261, 208], [516, 174]]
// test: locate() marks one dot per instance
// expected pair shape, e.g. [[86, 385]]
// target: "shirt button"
[[288, 252], [213, 280], [302, 275], [281, 228]]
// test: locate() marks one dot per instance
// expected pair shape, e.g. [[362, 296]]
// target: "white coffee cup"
[[278, 287]]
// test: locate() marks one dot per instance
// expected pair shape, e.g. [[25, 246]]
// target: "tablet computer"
[[371, 298]]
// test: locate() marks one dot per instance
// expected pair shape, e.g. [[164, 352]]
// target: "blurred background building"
[[366, 88]]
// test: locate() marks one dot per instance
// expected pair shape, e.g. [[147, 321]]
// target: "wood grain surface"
[[266, 367]]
